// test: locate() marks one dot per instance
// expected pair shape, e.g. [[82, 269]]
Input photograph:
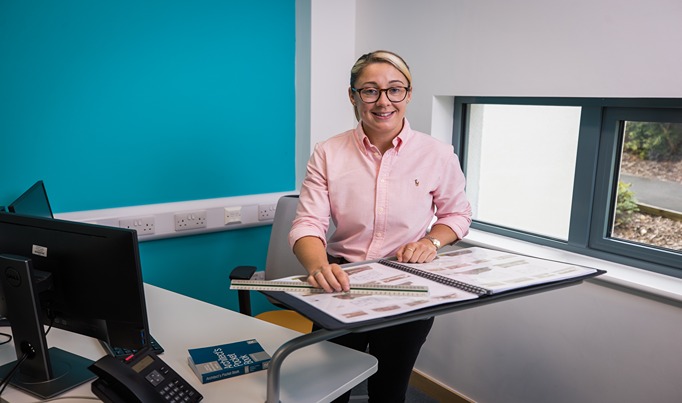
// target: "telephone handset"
[[143, 378]]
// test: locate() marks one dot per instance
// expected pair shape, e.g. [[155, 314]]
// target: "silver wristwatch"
[[434, 241]]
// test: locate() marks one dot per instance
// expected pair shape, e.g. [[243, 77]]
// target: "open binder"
[[457, 278]]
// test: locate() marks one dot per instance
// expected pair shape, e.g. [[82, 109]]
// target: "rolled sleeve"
[[452, 206], [312, 214]]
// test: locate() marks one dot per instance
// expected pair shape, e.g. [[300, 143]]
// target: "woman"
[[381, 183]]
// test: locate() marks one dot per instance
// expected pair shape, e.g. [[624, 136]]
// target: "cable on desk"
[[69, 398], [9, 338], [29, 352], [11, 373]]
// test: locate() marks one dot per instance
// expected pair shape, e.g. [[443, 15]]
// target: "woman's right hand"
[[330, 277]]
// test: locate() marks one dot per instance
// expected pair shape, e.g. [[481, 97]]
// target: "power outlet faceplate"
[[192, 220], [233, 215], [266, 212], [143, 225]]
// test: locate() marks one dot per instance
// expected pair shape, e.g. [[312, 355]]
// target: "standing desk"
[[331, 327], [318, 373]]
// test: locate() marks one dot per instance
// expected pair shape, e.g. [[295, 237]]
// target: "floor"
[[414, 395]]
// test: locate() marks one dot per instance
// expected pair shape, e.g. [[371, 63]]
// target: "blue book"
[[228, 360]]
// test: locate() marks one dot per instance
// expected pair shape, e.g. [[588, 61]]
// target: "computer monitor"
[[32, 202], [83, 278]]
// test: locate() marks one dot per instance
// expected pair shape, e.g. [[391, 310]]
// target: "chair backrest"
[[281, 261]]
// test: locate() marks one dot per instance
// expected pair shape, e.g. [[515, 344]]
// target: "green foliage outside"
[[654, 140], [626, 204]]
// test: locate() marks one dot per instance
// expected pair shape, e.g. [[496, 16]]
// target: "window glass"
[[648, 206], [520, 166], [597, 176]]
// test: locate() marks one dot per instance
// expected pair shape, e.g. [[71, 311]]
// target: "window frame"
[[598, 154]]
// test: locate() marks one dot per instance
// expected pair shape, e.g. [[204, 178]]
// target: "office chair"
[[280, 262]]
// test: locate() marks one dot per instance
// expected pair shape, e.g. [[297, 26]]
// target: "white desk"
[[317, 373]]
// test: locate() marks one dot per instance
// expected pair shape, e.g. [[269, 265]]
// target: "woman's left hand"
[[417, 252]]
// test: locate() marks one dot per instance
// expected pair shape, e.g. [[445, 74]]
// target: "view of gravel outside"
[[645, 228]]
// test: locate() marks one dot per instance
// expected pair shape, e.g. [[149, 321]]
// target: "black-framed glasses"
[[370, 95]]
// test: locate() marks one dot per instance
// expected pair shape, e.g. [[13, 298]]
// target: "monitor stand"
[[45, 373]]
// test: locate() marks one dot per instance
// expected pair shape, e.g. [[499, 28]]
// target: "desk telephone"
[[143, 378]]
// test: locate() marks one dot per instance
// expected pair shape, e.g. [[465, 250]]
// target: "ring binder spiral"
[[438, 278]]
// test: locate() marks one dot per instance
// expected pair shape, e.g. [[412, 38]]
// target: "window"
[[602, 177], [520, 162], [649, 192]]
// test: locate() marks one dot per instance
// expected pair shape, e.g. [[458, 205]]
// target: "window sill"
[[617, 274]]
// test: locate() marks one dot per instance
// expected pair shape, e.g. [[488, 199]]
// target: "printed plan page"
[[499, 271], [349, 308]]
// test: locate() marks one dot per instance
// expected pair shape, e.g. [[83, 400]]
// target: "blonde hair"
[[379, 56]]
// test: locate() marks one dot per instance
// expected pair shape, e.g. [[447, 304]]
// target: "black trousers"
[[396, 348]]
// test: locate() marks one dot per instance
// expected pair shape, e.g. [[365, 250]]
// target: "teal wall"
[[198, 266], [125, 103]]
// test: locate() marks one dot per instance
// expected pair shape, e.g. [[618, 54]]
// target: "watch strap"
[[434, 241]]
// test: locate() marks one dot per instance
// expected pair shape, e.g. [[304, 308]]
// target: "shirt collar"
[[404, 136]]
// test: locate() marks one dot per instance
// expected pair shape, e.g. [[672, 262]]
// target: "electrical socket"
[[143, 225], [193, 220], [266, 212], [233, 215]]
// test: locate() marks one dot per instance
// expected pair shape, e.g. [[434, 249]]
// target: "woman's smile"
[[384, 115]]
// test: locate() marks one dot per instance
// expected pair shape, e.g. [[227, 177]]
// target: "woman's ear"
[[350, 96]]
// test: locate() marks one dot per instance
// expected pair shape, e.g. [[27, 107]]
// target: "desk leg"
[[289, 347]]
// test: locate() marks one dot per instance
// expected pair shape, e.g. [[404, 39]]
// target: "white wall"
[[580, 48], [325, 53], [583, 344]]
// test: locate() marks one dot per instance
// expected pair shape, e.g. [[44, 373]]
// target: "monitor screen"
[[32, 202], [95, 279]]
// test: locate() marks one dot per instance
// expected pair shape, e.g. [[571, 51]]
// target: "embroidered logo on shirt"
[[416, 182]]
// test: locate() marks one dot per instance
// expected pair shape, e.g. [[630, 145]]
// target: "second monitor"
[[33, 202]]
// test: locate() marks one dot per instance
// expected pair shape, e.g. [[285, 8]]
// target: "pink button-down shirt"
[[379, 203]]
